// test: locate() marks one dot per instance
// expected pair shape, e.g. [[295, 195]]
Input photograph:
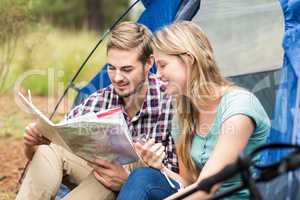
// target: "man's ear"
[[149, 62]]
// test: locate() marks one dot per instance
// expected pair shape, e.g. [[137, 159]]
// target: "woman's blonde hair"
[[187, 41]]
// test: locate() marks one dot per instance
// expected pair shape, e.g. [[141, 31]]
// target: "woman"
[[218, 120]]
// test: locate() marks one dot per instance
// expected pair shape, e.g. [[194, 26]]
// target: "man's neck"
[[133, 103]]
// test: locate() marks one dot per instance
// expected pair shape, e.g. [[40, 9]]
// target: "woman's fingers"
[[144, 149], [149, 143], [139, 149], [160, 151], [154, 148], [158, 162], [152, 153]]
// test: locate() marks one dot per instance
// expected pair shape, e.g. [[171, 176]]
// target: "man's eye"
[[127, 70], [111, 68]]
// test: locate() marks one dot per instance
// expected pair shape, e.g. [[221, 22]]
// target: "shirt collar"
[[151, 101]]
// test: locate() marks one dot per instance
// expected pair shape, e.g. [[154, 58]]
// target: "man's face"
[[125, 71]]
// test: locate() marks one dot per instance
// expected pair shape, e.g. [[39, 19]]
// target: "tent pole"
[[88, 57]]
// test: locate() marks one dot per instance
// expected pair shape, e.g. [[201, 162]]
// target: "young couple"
[[214, 121]]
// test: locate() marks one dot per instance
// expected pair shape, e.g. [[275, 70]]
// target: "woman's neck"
[[211, 104], [206, 112]]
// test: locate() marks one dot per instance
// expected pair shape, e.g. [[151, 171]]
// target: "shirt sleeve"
[[244, 102], [171, 161], [94, 103]]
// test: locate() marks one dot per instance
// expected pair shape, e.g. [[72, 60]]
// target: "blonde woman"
[[218, 120]]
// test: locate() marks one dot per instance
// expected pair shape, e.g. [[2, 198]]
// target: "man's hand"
[[111, 175], [152, 153], [33, 138]]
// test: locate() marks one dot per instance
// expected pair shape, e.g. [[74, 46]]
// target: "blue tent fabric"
[[286, 121], [285, 107], [188, 9], [157, 13]]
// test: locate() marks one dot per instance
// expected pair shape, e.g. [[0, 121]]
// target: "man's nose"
[[118, 76]]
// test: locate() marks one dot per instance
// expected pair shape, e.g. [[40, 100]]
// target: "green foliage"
[[63, 13], [14, 15], [78, 14], [112, 10], [12, 125], [46, 60], [60, 35]]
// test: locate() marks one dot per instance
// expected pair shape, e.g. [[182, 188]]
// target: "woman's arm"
[[176, 176], [233, 138]]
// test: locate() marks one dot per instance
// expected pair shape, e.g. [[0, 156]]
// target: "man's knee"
[[48, 153], [44, 150], [47, 164], [43, 176]]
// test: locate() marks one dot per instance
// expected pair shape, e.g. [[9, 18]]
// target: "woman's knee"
[[144, 174], [138, 184]]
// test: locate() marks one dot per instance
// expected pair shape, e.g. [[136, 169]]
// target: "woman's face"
[[172, 71]]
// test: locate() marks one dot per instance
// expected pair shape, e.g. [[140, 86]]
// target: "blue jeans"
[[146, 183]]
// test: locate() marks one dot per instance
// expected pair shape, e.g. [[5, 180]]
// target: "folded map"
[[102, 135]]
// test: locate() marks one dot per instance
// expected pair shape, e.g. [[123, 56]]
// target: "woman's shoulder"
[[237, 92], [242, 101], [239, 97]]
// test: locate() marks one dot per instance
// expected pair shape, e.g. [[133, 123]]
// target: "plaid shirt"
[[153, 120]]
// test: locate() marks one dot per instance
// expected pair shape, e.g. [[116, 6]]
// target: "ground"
[[12, 122], [12, 162]]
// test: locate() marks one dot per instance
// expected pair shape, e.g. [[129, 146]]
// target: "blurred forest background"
[[42, 44], [52, 35]]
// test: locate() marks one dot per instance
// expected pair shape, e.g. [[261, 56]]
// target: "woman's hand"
[[151, 153]]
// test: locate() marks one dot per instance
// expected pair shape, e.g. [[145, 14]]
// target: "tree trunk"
[[95, 15]]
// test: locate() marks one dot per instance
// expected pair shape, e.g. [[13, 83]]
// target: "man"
[[146, 109]]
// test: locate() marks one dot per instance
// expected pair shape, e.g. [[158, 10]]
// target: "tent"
[[247, 39], [157, 13], [251, 34]]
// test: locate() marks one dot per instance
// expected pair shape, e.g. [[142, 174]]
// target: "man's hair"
[[131, 35]]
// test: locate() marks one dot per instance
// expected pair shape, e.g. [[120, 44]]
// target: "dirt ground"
[[12, 162], [12, 122]]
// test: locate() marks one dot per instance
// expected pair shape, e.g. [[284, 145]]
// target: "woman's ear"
[[149, 62], [190, 57]]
